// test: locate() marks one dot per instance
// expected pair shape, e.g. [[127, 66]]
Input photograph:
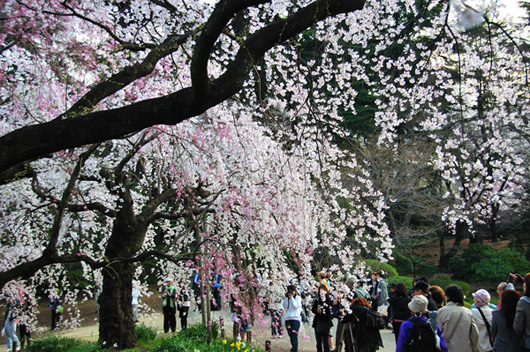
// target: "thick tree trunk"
[[116, 326], [492, 223]]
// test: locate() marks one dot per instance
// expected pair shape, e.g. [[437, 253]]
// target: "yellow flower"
[[224, 342]]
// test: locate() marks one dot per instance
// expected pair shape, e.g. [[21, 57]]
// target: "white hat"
[[168, 280], [418, 304]]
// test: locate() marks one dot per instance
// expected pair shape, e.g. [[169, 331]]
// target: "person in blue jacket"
[[418, 308]]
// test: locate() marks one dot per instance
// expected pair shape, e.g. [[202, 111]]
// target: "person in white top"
[[482, 316], [135, 295], [292, 305]]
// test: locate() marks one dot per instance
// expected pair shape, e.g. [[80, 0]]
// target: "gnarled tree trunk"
[[116, 325]]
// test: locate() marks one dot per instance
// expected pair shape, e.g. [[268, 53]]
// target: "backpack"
[[374, 320], [422, 337]]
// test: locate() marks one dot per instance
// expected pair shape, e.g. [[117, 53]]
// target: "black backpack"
[[422, 337], [374, 320]]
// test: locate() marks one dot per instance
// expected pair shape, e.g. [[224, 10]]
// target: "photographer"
[[292, 304]]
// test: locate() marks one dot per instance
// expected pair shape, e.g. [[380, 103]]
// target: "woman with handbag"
[[482, 316], [322, 321]]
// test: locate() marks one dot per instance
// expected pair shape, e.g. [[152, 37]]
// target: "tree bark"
[[460, 233], [116, 325]]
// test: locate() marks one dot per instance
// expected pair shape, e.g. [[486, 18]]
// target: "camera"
[[515, 279]]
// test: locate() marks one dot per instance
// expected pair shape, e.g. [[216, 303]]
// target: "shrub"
[[145, 333], [465, 288], [426, 268], [374, 265], [62, 344], [402, 264], [404, 279], [442, 280], [483, 263]]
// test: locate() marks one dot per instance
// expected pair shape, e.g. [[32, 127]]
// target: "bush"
[[404, 279], [145, 333], [482, 263], [426, 269], [402, 264], [442, 280], [62, 344], [387, 269]]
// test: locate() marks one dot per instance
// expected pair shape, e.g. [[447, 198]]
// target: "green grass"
[[193, 339], [62, 344]]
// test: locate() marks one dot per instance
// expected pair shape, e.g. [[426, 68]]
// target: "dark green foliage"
[[397, 279], [482, 263], [145, 333], [62, 344], [426, 268], [387, 269], [442, 280], [402, 263]]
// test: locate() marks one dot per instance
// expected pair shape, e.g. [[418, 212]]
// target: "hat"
[[351, 280], [168, 280], [483, 297], [421, 286], [418, 304]]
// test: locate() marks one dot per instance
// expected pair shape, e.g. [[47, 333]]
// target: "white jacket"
[[293, 308]]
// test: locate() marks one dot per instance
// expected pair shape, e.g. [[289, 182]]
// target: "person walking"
[[275, 312], [183, 307], [322, 320], [521, 323], [168, 305], [375, 291], [399, 307], [56, 309], [24, 321], [482, 315], [134, 302], [457, 323], [10, 326], [504, 337], [292, 305]]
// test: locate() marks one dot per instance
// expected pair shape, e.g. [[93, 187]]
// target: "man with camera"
[[292, 305]]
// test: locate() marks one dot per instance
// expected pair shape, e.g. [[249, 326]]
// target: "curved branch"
[[126, 76], [38, 140]]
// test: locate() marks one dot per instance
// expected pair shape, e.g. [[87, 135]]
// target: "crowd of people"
[[350, 316]]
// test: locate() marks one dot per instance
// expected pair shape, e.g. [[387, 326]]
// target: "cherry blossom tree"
[[177, 129], [208, 185], [99, 60]]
